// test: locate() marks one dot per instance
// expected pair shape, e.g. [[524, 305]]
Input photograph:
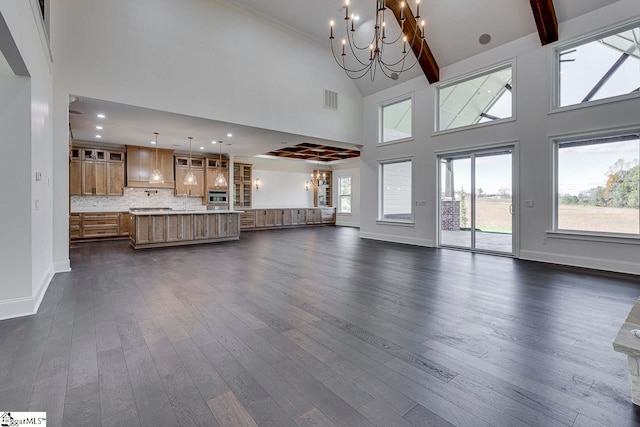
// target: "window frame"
[[380, 219], [340, 195], [394, 101], [578, 41], [586, 235], [511, 62]]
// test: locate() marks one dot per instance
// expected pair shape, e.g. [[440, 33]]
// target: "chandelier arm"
[[355, 55], [353, 44], [344, 67]]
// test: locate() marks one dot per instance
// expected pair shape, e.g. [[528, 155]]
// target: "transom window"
[[396, 198], [344, 186], [597, 184], [604, 66], [483, 97], [396, 120]]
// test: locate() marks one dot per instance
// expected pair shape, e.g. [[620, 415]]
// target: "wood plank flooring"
[[316, 327]]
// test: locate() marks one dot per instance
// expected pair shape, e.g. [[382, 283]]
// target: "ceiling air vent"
[[330, 99]]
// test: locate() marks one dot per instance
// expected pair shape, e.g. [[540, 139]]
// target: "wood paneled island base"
[[174, 228]]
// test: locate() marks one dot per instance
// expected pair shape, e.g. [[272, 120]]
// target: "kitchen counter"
[[187, 212], [152, 229]]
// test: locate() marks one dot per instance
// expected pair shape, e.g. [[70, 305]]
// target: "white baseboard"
[[26, 306], [62, 266], [582, 261], [397, 239], [348, 224]]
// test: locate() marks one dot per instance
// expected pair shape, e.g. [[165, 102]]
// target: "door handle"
[[511, 209]]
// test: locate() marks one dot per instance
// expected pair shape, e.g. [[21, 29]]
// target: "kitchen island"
[[152, 229]]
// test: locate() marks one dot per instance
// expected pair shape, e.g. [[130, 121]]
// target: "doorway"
[[476, 201]]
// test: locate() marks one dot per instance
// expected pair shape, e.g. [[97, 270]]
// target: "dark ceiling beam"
[[546, 20], [426, 59]]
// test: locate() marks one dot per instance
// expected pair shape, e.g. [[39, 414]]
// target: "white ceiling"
[[453, 28], [452, 31], [129, 125]]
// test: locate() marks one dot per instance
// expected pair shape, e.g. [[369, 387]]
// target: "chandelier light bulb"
[[353, 60]]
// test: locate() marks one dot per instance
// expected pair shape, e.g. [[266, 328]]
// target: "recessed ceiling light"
[[214, 142], [356, 18], [99, 127], [229, 135], [101, 116], [202, 148], [153, 143], [98, 136]]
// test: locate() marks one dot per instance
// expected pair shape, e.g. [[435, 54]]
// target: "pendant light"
[[220, 181], [190, 179], [156, 175]]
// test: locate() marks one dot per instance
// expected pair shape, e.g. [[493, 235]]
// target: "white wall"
[[282, 182], [26, 266], [348, 168], [531, 132], [193, 57]]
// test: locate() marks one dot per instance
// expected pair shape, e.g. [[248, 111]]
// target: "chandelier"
[[317, 176], [368, 58], [220, 180], [190, 178], [156, 176]]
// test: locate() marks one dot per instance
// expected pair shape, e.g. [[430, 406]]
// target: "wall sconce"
[[306, 185], [257, 183]]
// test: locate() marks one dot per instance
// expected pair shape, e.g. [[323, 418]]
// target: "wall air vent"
[[330, 99]]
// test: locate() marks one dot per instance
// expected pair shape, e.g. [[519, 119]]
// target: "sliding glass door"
[[476, 210]]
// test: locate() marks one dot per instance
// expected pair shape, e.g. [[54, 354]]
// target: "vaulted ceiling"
[[452, 31]]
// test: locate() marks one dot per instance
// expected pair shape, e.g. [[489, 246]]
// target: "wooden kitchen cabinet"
[[314, 216], [212, 166], [242, 185], [75, 177], [286, 217], [157, 230], [141, 162], [75, 226], [182, 169], [98, 225], [96, 172], [94, 178], [265, 218], [115, 173]]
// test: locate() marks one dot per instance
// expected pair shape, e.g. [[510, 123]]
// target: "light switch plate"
[[38, 176]]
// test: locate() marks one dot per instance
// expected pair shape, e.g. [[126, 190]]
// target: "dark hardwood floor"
[[316, 327]]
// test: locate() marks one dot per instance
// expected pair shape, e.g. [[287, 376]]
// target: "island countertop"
[[182, 212]]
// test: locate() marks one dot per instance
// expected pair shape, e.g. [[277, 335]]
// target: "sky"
[[580, 168]]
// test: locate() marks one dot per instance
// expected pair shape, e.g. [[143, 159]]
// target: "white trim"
[[42, 32], [582, 261], [396, 222], [416, 241], [579, 41], [26, 306], [629, 239], [510, 62], [388, 102], [348, 224], [62, 266], [552, 222], [380, 163]]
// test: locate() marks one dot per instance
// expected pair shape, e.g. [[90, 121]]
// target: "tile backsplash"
[[134, 198]]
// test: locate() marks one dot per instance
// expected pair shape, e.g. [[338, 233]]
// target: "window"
[[597, 184], [344, 187], [603, 66], [396, 120], [396, 191], [483, 97]]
